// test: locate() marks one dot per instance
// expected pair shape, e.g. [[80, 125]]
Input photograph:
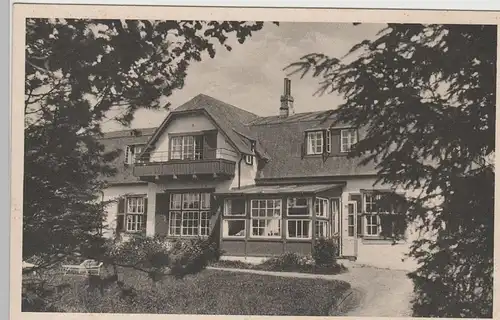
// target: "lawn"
[[209, 292]]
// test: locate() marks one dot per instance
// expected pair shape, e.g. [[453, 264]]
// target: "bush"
[[192, 256], [325, 252]]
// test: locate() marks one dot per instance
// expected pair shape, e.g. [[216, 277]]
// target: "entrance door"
[[335, 221], [349, 244]]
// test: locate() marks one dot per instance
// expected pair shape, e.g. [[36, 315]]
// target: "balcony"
[[200, 165]]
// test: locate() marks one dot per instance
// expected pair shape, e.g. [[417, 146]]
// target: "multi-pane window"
[[328, 142], [234, 228], [186, 147], [189, 214], [382, 215], [132, 152], [321, 229], [265, 218], [348, 138], [131, 214], [321, 207], [351, 222], [299, 229], [315, 142]]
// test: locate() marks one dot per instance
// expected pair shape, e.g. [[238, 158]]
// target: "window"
[[383, 215], [298, 206], [132, 152], [348, 137], [266, 218], [299, 229], [315, 142], [186, 147], [249, 159], [132, 214], [321, 229], [189, 214], [235, 207], [328, 141], [321, 207], [335, 203], [372, 225], [351, 213], [234, 228]]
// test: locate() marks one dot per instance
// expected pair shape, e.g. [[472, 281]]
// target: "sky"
[[251, 75]]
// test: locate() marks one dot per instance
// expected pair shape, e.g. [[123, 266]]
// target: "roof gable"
[[229, 119]]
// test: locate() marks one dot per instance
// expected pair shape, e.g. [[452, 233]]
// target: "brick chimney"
[[286, 107]]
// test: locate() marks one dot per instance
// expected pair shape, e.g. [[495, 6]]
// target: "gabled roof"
[[228, 118]]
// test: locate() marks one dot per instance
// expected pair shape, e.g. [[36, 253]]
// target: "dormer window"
[[315, 142], [132, 152], [348, 138]]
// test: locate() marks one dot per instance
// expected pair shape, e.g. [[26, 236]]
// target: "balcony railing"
[[193, 163]]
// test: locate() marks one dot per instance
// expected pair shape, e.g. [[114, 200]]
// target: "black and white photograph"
[[218, 163]]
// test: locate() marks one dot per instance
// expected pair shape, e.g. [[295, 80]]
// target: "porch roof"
[[282, 189]]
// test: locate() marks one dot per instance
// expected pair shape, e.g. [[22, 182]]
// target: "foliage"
[[236, 294], [424, 95], [325, 252], [192, 256]]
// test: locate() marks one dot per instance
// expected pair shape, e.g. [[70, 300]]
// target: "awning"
[[282, 189]]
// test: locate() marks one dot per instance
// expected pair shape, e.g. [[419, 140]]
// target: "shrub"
[[192, 256], [325, 252]]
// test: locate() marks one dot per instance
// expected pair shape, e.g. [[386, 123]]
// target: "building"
[[264, 185]]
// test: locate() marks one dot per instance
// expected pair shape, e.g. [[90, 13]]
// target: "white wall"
[[191, 123], [115, 192], [378, 253]]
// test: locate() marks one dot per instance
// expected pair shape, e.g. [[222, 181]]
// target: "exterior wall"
[[187, 124], [378, 253], [114, 192]]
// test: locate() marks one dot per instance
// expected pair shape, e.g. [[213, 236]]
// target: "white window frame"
[[296, 222], [326, 229], [131, 153], [227, 206], [183, 205], [258, 218], [186, 147], [317, 138], [291, 204], [369, 225], [225, 229], [348, 138], [134, 213], [317, 203]]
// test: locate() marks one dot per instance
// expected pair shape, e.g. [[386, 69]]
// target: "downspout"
[[239, 170]]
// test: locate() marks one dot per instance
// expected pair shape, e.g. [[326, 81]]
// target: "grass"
[[209, 292]]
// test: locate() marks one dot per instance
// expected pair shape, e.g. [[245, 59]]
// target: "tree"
[[77, 70], [426, 96]]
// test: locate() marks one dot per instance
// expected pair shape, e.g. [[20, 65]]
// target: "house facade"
[[262, 185]]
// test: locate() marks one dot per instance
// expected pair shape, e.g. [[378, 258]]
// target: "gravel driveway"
[[384, 292]]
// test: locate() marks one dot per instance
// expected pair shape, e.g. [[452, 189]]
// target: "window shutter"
[[120, 216], [145, 218]]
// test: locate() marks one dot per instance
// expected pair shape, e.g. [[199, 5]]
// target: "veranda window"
[[235, 207], [186, 147], [298, 206], [266, 218], [189, 214], [321, 229], [321, 207], [298, 229]]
